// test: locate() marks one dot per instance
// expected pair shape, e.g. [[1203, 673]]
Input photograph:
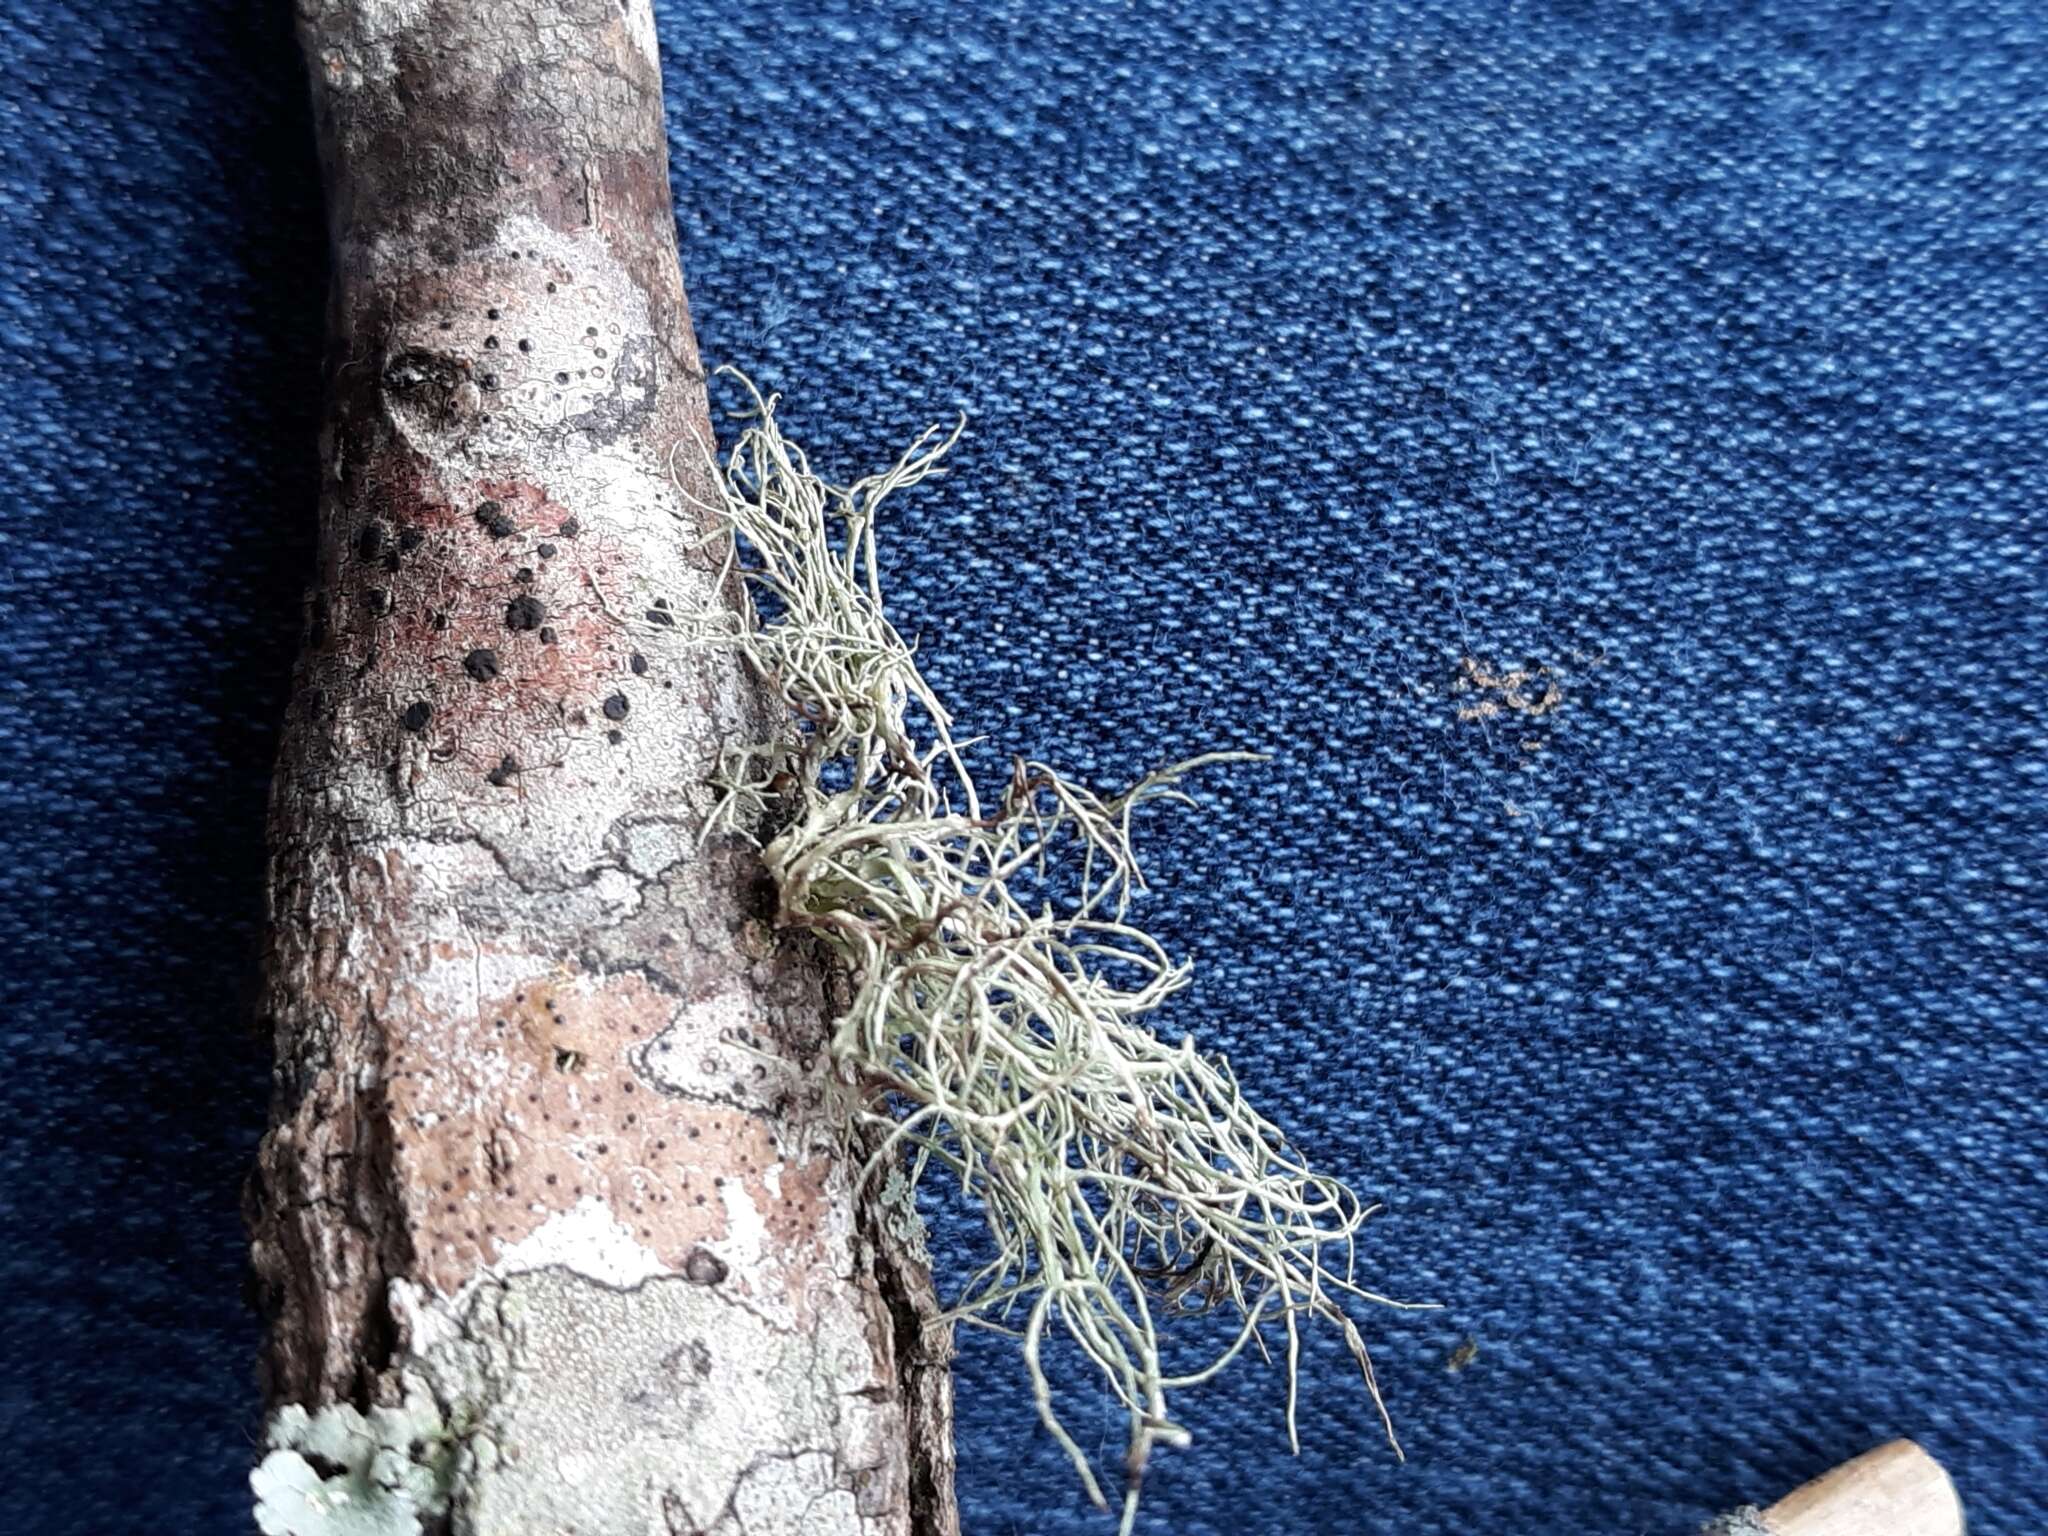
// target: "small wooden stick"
[[1895, 1490]]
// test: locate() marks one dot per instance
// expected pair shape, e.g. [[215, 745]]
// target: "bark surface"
[[547, 1131]]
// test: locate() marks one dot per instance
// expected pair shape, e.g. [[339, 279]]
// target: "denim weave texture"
[[1598, 451]]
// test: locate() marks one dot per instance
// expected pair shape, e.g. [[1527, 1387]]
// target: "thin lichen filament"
[[997, 1028]]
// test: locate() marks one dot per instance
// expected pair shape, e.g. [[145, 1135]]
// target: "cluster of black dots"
[[524, 614], [487, 378]]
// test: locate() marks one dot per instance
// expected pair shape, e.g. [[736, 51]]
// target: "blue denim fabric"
[[1328, 366]]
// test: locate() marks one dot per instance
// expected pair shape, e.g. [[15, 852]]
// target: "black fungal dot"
[[491, 314], [523, 575], [615, 737], [703, 1267], [370, 542], [570, 528], [547, 634], [496, 521], [481, 664], [504, 773], [561, 378], [639, 665], [616, 706], [417, 715], [524, 613], [440, 621], [525, 345], [656, 616], [410, 539], [377, 600], [491, 343], [551, 287], [546, 551], [490, 381]]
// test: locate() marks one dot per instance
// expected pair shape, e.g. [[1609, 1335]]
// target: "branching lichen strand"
[[997, 1027]]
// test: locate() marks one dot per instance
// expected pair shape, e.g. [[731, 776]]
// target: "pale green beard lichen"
[[997, 1028]]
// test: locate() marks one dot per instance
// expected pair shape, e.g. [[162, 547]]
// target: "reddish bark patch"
[[512, 1116]]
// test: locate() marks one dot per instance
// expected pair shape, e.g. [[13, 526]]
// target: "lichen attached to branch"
[[998, 1027], [340, 1472]]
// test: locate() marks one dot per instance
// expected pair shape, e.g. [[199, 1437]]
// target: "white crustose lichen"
[[997, 1028]]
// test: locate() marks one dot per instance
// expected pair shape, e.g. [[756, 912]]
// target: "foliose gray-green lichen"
[[341, 1472]]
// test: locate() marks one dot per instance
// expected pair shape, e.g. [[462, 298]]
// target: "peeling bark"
[[547, 1131]]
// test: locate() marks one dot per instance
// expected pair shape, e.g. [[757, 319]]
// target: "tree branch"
[[547, 1139]]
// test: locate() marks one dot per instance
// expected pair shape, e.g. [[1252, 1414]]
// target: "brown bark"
[[547, 1132]]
